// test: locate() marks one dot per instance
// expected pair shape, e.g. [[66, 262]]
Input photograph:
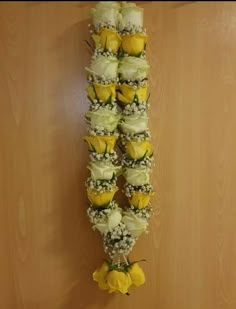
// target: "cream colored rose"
[[134, 224], [104, 66], [106, 12], [134, 124], [103, 118], [137, 176], [133, 68], [103, 170], [112, 221], [131, 15]]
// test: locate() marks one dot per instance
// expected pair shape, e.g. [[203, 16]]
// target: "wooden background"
[[47, 248]]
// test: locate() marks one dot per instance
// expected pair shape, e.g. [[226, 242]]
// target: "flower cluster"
[[118, 102]]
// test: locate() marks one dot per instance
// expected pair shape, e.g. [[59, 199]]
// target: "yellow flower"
[[101, 92], [126, 93], [133, 44], [137, 149], [140, 199], [100, 275], [118, 281], [107, 38], [100, 144], [100, 199], [137, 275]]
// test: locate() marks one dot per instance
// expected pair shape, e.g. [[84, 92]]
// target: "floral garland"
[[117, 92]]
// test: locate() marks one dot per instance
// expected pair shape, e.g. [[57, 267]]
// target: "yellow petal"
[[137, 149], [126, 93], [110, 39], [101, 143], [137, 275], [101, 92], [100, 276], [118, 281], [100, 199], [140, 199], [133, 44]]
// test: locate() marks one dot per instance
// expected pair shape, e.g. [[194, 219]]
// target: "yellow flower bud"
[[118, 281], [133, 44], [100, 144], [126, 93], [137, 275], [140, 199], [100, 199], [137, 149], [100, 276], [101, 92], [107, 38]]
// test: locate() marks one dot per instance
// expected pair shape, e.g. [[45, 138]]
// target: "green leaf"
[[138, 55], [148, 97], [105, 148], [109, 100], [93, 148], [96, 96], [136, 99], [143, 156]]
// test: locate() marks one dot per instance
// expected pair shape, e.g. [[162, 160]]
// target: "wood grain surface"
[[47, 247]]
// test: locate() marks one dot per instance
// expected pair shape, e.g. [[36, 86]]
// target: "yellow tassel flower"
[[100, 144], [101, 92], [127, 93], [140, 199], [118, 281], [100, 199], [107, 38], [137, 149], [100, 275], [137, 275], [133, 44]]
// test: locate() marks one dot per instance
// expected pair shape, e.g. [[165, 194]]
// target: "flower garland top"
[[118, 95]]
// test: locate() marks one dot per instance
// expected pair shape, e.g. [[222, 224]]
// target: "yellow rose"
[[118, 281], [107, 38], [100, 199], [101, 92], [140, 199], [133, 44], [100, 144], [137, 149], [137, 275], [127, 93], [100, 275]]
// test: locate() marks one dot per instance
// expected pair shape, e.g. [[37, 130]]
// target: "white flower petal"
[[135, 225], [137, 176], [133, 68], [106, 66]]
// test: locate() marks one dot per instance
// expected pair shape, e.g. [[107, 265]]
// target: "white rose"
[[106, 13], [137, 176], [103, 170], [104, 119], [112, 221], [135, 225], [133, 68], [106, 66], [134, 124], [131, 15]]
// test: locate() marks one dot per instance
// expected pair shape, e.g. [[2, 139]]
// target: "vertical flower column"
[[135, 140]]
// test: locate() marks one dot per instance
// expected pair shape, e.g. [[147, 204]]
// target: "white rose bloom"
[[106, 66], [135, 225], [133, 68], [106, 12], [103, 170], [132, 15], [112, 221], [137, 176], [106, 119], [134, 124]]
